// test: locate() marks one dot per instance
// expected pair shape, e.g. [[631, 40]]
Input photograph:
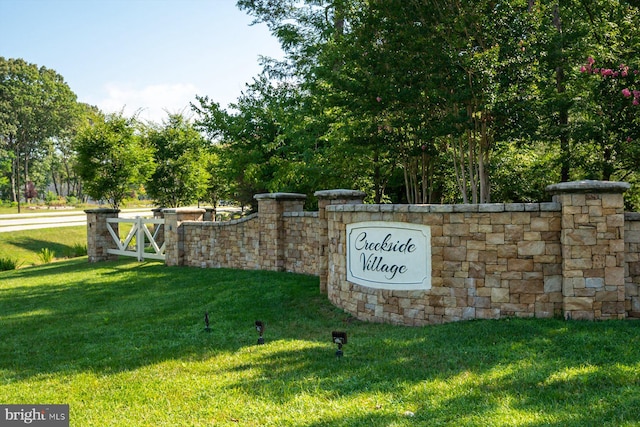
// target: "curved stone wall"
[[487, 262], [577, 256]]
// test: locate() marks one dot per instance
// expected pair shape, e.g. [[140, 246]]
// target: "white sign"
[[389, 255]]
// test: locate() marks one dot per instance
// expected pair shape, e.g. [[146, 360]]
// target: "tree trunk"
[[563, 110], [407, 186], [460, 169], [471, 165], [26, 178], [377, 177], [17, 190], [483, 161], [55, 182], [14, 179]]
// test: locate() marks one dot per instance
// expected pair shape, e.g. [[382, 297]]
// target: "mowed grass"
[[123, 343], [24, 246]]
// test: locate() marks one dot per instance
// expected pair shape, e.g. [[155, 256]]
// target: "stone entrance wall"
[[577, 256], [487, 262]]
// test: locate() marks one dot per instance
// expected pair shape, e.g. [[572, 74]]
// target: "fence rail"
[[145, 239]]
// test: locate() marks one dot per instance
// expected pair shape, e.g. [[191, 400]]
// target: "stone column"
[[210, 214], [174, 232], [98, 237], [326, 198], [271, 206], [592, 240]]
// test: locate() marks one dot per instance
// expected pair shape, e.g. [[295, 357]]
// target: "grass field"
[[24, 246], [123, 343]]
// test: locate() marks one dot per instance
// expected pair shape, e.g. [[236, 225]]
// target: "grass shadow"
[[123, 315], [481, 368]]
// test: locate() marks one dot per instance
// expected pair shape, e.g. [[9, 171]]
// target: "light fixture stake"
[[260, 328], [206, 322], [339, 338]]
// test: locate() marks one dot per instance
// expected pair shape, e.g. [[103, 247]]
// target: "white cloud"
[[150, 103]]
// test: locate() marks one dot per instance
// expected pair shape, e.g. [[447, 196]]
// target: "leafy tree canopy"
[[180, 176], [113, 161]]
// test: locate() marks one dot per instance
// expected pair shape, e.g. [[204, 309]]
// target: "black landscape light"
[[260, 329], [206, 322], [339, 338]]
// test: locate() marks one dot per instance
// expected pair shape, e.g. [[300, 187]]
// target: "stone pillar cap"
[[183, 210], [102, 211], [280, 196], [340, 193], [588, 186]]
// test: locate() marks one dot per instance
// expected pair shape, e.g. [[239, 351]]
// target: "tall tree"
[[113, 162], [180, 176], [254, 144], [35, 104], [435, 92]]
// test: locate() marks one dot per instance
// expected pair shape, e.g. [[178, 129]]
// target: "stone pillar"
[[632, 249], [592, 240], [174, 232], [209, 214], [271, 206], [98, 237], [326, 198]]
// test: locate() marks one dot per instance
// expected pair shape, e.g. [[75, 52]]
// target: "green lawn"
[[24, 246], [123, 343]]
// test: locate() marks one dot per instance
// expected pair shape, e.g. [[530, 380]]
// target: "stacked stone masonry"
[[632, 264], [577, 256], [488, 261], [99, 238]]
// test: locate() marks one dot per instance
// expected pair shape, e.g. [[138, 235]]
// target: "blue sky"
[[139, 55]]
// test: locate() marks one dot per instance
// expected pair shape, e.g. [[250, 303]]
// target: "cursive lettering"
[[377, 264], [386, 245]]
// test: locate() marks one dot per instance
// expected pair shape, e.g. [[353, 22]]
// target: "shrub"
[[9, 264], [77, 250], [52, 199], [46, 255]]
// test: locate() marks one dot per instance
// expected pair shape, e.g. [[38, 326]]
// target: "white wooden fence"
[[145, 246]]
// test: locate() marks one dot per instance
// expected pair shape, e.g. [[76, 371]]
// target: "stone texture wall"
[[176, 240], [230, 244], [301, 244], [279, 237], [632, 265], [99, 239], [327, 198], [593, 249], [577, 256], [487, 261]]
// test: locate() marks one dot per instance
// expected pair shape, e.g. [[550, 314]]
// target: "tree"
[[5, 171], [405, 84], [112, 160], [253, 141], [454, 100], [181, 175], [35, 104]]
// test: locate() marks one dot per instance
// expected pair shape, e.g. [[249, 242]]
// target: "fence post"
[[139, 239], [98, 237], [174, 232]]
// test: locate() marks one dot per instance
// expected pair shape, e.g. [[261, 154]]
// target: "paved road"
[[32, 221]]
